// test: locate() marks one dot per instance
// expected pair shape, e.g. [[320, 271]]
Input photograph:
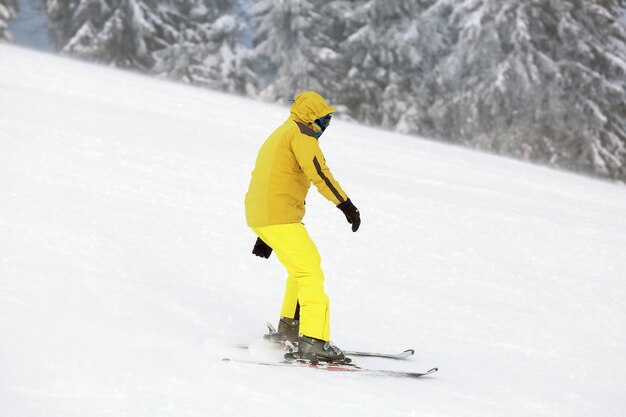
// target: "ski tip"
[[421, 374], [225, 359], [409, 352]]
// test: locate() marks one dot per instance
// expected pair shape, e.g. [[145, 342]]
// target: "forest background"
[[539, 80]]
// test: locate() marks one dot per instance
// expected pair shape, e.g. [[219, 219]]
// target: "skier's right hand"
[[352, 214], [261, 249]]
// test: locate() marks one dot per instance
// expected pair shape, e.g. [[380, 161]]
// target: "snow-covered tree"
[[296, 45], [384, 54], [196, 41], [209, 52], [123, 33], [542, 80], [8, 10]]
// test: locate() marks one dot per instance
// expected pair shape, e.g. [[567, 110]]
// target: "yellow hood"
[[310, 106]]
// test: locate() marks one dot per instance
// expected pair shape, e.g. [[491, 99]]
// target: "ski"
[[400, 355], [340, 367]]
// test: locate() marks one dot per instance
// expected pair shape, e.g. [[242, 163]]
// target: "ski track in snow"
[[126, 273]]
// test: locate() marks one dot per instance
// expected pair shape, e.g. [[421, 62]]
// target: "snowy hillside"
[[126, 273]]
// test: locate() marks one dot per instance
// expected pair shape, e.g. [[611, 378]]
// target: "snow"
[[226, 24], [126, 273]]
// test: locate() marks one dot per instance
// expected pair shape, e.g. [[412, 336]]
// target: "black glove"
[[261, 249], [352, 214]]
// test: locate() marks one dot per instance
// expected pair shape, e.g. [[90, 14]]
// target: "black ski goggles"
[[323, 122]]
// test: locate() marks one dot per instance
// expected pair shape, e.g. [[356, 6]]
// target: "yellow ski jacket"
[[287, 163]]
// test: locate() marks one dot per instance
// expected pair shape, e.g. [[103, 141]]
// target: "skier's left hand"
[[261, 249], [352, 214]]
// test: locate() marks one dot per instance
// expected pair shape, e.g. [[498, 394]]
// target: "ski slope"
[[126, 273]]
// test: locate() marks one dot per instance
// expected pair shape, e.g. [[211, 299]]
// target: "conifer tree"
[[296, 45], [383, 56], [209, 51], [8, 11], [540, 80], [123, 33], [196, 41]]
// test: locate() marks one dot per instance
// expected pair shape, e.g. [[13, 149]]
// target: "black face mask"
[[323, 123]]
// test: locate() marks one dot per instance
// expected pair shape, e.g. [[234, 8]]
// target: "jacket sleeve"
[[312, 161]]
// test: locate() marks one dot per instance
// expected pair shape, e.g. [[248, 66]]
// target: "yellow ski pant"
[[305, 280]]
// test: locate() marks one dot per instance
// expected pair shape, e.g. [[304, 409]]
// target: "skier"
[[287, 163]]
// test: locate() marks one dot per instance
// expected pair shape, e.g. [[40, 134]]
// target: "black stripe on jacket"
[[329, 184]]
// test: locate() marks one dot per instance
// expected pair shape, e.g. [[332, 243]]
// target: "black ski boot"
[[313, 349], [287, 331]]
